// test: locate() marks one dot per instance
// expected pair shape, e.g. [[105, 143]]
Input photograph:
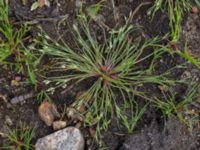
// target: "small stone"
[[8, 121], [78, 125], [57, 125], [21, 98], [194, 10], [82, 109], [14, 83], [92, 132], [74, 114], [78, 3], [4, 98], [67, 139], [18, 78], [8, 105], [48, 112]]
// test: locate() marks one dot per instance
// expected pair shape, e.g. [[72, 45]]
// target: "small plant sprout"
[[11, 40], [130, 119], [171, 106], [12, 51], [19, 138], [114, 70], [175, 10], [187, 56], [32, 60]]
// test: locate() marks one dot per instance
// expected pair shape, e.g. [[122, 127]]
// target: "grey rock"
[[174, 136], [67, 139]]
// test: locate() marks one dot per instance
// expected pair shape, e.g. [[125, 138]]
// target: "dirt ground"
[[152, 132]]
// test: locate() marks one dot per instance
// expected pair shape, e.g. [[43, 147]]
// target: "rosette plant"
[[114, 71]]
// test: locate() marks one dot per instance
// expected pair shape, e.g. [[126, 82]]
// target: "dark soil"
[[152, 132]]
